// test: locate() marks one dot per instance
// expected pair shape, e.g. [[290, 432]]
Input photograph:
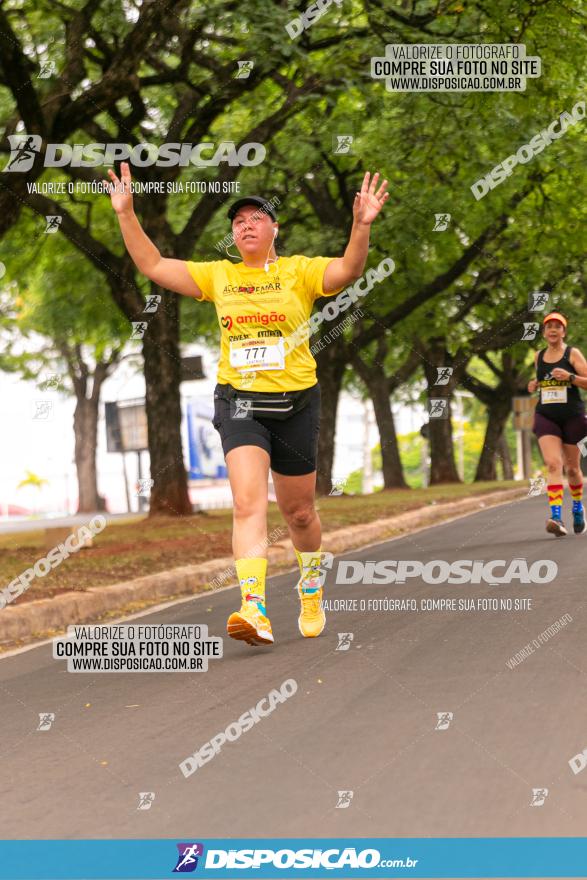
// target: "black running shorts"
[[570, 431], [285, 426]]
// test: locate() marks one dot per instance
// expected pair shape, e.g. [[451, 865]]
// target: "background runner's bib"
[[553, 395], [260, 310]]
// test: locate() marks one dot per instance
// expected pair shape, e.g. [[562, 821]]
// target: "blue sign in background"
[[156, 859]]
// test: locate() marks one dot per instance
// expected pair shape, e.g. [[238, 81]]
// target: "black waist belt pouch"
[[263, 404]]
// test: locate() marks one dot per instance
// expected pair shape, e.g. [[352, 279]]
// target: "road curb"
[[24, 621]]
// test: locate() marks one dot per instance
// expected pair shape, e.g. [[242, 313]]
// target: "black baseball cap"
[[265, 206]]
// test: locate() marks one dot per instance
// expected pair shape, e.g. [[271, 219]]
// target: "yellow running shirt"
[[257, 312]]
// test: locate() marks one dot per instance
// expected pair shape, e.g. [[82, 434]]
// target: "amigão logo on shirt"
[[261, 318], [227, 321]]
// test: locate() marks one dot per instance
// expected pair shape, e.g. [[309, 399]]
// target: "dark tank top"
[[552, 402]]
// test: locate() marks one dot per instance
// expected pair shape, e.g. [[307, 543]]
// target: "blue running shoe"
[[579, 522]]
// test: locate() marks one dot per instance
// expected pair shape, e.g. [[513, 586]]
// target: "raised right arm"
[[169, 273]]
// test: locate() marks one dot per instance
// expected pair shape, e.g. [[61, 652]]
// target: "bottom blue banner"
[[275, 858]]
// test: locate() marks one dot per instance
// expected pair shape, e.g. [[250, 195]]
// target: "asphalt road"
[[362, 720]]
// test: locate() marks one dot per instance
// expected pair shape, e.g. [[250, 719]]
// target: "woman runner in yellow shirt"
[[267, 400]]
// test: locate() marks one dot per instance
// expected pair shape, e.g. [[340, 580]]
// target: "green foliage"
[[55, 296], [431, 146]]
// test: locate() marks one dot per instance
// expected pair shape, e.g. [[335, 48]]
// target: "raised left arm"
[[367, 205]]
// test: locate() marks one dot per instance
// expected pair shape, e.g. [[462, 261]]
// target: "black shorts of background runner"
[[570, 431], [289, 436]]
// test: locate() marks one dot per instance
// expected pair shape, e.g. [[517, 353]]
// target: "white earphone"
[[266, 267]]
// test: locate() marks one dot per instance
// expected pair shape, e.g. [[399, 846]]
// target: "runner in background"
[[559, 421]]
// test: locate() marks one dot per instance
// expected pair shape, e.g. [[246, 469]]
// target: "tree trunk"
[[507, 467], [85, 427], [380, 389], [331, 367], [497, 416], [391, 465], [443, 468], [169, 493], [85, 422]]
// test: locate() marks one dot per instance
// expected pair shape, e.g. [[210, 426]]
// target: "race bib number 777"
[[247, 355]]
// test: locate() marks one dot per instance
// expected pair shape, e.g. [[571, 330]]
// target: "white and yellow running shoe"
[[312, 619], [250, 624]]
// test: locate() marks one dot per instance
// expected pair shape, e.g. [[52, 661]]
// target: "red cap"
[[555, 316]]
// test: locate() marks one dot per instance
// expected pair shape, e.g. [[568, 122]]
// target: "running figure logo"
[[144, 486], [530, 331], [53, 223], [244, 69], [246, 380], [344, 641], [52, 381], [337, 487], [47, 70], [438, 408], [318, 566], [46, 719], [344, 799], [152, 303], [444, 719], [537, 485], [241, 408], [441, 222], [187, 860], [539, 795], [138, 329], [343, 143], [43, 410], [537, 301], [582, 444], [146, 799], [444, 374], [24, 150]]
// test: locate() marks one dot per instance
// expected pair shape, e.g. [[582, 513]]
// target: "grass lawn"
[[127, 550]]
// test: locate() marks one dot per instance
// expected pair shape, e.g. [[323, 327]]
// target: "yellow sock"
[[309, 561], [251, 574]]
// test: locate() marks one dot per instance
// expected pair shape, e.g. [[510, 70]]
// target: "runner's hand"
[[560, 375], [369, 201], [120, 194], [532, 385]]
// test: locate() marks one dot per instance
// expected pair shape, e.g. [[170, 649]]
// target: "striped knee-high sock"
[[555, 499], [577, 496]]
